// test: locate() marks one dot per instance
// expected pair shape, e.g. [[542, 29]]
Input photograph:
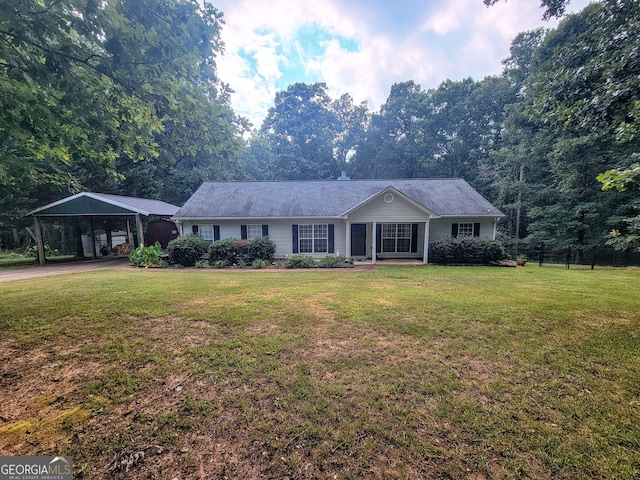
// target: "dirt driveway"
[[63, 268]]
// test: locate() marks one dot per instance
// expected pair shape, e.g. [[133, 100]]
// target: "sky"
[[363, 47]]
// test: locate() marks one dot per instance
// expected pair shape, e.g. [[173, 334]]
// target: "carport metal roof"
[[102, 204], [88, 204]]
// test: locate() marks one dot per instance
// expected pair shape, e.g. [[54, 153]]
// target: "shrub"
[[262, 248], [147, 256], [259, 263], [186, 250], [334, 262], [229, 251], [300, 261], [474, 250], [32, 252], [222, 251]]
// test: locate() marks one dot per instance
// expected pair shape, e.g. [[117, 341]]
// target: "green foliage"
[[222, 252], [331, 261], [305, 135], [231, 251], [32, 252], [471, 250], [261, 248], [552, 8], [620, 179], [96, 91], [300, 261], [147, 256], [186, 250], [259, 263]]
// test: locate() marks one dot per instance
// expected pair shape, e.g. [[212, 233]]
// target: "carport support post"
[[93, 239], [140, 230], [39, 242]]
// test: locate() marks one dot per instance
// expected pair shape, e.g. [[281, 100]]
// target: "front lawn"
[[404, 372]]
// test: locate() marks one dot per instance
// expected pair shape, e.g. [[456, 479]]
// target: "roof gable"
[[329, 198], [383, 194]]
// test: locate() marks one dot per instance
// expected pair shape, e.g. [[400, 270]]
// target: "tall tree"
[[395, 145], [306, 135], [85, 83], [584, 86]]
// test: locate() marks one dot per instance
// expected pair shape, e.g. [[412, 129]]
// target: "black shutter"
[[454, 230], [414, 237], [265, 230], [216, 232], [378, 237], [294, 240], [331, 239], [476, 229], [243, 232], [194, 229]]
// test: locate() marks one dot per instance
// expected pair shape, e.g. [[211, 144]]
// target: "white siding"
[[440, 228], [398, 211], [280, 231]]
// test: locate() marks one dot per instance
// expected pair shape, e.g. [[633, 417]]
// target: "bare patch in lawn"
[[38, 393]]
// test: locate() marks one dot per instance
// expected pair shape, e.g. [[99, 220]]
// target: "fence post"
[[541, 259], [593, 258], [568, 257]]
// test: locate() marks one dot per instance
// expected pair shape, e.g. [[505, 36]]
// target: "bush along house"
[[357, 219]]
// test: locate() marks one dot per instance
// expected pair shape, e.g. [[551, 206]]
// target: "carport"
[[92, 205]]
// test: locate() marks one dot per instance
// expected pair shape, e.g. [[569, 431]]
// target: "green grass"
[[404, 372], [19, 261]]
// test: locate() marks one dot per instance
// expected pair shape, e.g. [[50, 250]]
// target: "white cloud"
[[427, 44]]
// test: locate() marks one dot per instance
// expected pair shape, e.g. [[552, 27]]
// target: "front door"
[[358, 239]]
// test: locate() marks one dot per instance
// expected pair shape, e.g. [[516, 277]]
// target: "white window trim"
[[465, 229], [314, 237], [257, 228], [207, 226], [395, 237]]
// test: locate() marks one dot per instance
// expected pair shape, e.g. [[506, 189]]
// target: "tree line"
[[540, 141], [123, 97]]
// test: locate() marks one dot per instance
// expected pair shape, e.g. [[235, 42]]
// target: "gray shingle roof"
[[328, 198]]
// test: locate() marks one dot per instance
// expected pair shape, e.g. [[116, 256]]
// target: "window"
[[206, 232], [465, 229], [313, 238], [210, 233], [254, 231], [396, 237]]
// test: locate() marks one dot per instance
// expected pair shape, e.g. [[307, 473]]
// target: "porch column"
[[495, 228], [140, 230], [374, 247], [425, 256], [39, 241], [347, 252]]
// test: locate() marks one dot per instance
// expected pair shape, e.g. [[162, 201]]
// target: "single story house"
[[358, 219]]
